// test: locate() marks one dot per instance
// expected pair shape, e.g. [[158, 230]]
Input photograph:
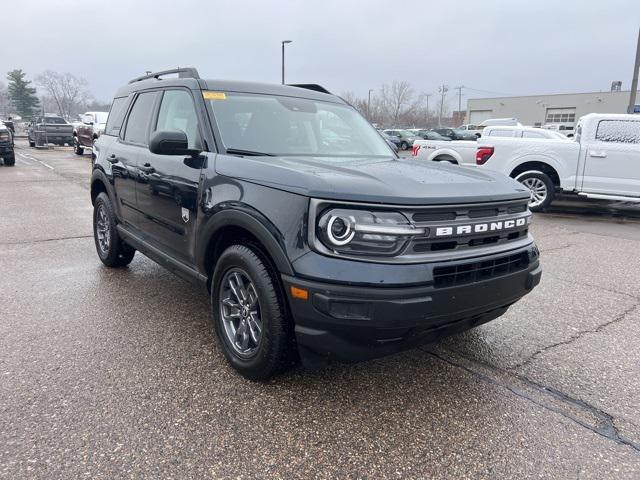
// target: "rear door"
[[125, 152], [612, 159], [167, 189]]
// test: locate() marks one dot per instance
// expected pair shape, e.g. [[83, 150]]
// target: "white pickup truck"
[[601, 162], [463, 152]]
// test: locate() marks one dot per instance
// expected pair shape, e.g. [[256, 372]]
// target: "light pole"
[[283, 44], [427, 95], [369, 105]]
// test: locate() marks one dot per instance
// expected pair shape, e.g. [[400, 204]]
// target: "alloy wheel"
[[240, 312], [538, 191], [103, 229]]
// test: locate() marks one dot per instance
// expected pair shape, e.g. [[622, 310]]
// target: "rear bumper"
[[354, 323]]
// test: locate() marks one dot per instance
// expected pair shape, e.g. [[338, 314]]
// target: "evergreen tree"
[[21, 94]]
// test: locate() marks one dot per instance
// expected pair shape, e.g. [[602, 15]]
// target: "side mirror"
[[170, 142]]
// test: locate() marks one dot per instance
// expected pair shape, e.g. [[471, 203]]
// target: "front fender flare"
[[243, 216]]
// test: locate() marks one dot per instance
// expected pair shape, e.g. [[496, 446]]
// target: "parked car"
[[406, 138], [392, 139], [602, 162], [469, 128], [567, 130], [431, 135], [463, 152], [9, 124], [89, 130], [6, 145], [455, 134], [503, 122], [49, 129], [319, 250]]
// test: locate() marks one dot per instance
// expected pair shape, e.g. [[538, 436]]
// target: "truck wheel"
[[10, 161], [248, 314], [77, 149], [32, 144], [112, 250], [404, 146], [542, 189]]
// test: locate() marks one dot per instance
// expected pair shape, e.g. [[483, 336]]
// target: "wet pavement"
[[114, 373]]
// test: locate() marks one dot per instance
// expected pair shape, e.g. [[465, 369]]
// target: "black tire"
[[542, 188], [404, 146], [272, 353], [446, 159], [9, 161], [32, 144], [77, 149], [116, 253]]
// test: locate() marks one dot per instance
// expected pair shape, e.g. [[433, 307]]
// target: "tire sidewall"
[[550, 189], [263, 363], [404, 146], [109, 258]]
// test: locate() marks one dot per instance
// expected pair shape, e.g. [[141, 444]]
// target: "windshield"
[[278, 125]]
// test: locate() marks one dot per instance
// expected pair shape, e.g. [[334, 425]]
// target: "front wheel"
[[404, 146], [249, 314], [112, 250], [10, 161], [541, 187]]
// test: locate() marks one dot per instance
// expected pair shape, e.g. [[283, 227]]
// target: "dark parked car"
[[392, 140], [50, 129], [322, 250], [455, 134], [6, 145], [431, 135], [406, 137]]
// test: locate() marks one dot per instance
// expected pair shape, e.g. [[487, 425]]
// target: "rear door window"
[[619, 131], [139, 119]]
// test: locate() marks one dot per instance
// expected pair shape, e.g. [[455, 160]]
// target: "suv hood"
[[374, 180]]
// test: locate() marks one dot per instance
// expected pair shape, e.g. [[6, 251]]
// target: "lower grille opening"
[[477, 271]]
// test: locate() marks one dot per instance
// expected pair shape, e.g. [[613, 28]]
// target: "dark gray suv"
[[311, 237]]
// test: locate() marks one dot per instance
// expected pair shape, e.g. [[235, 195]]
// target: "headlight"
[[365, 232]]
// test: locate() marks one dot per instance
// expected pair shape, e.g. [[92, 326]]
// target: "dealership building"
[[538, 110]]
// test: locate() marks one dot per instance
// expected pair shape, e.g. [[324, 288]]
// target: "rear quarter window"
[[619, 131], [116, 116]]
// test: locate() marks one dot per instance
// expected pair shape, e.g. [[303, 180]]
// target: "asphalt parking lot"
[[114, 373]]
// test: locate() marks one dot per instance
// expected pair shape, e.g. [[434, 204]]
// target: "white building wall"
[[534, 109]]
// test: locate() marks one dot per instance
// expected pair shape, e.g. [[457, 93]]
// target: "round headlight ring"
[[343, 238]]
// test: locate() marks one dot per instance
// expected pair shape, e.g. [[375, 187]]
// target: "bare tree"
[[398, 98], [67, 91]]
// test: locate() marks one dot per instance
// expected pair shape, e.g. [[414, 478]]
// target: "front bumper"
[[349, 323]]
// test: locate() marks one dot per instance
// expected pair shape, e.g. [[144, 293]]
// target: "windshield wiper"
[[239, 151]]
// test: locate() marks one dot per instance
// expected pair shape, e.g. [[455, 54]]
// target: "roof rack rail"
[[310, 86], [188, 72]]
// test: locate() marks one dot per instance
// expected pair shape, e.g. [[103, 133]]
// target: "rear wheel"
[[112, 250], [404, 146], [249, 314], [541, 187], [10, 161], [32, 144]]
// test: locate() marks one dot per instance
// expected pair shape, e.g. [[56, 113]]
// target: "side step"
[[617, 198]]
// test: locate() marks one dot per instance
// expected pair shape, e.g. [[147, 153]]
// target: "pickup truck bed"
[[461, 152]]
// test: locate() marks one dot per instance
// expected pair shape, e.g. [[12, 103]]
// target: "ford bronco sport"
[[311, 237]]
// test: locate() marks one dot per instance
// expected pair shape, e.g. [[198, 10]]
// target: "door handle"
[[597, 154], [147, 168], [112, 158]]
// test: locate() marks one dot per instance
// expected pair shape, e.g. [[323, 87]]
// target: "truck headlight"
[[365, 232]]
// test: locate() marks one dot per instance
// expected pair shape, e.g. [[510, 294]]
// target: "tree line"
[[61, 93], [399, 105]]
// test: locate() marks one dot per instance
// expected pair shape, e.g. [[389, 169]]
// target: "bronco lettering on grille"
[[481, 227]]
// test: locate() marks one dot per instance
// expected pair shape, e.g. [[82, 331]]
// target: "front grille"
[[456, 215], [481, 270]]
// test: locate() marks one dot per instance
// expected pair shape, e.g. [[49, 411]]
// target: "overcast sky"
[[502, 47]]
